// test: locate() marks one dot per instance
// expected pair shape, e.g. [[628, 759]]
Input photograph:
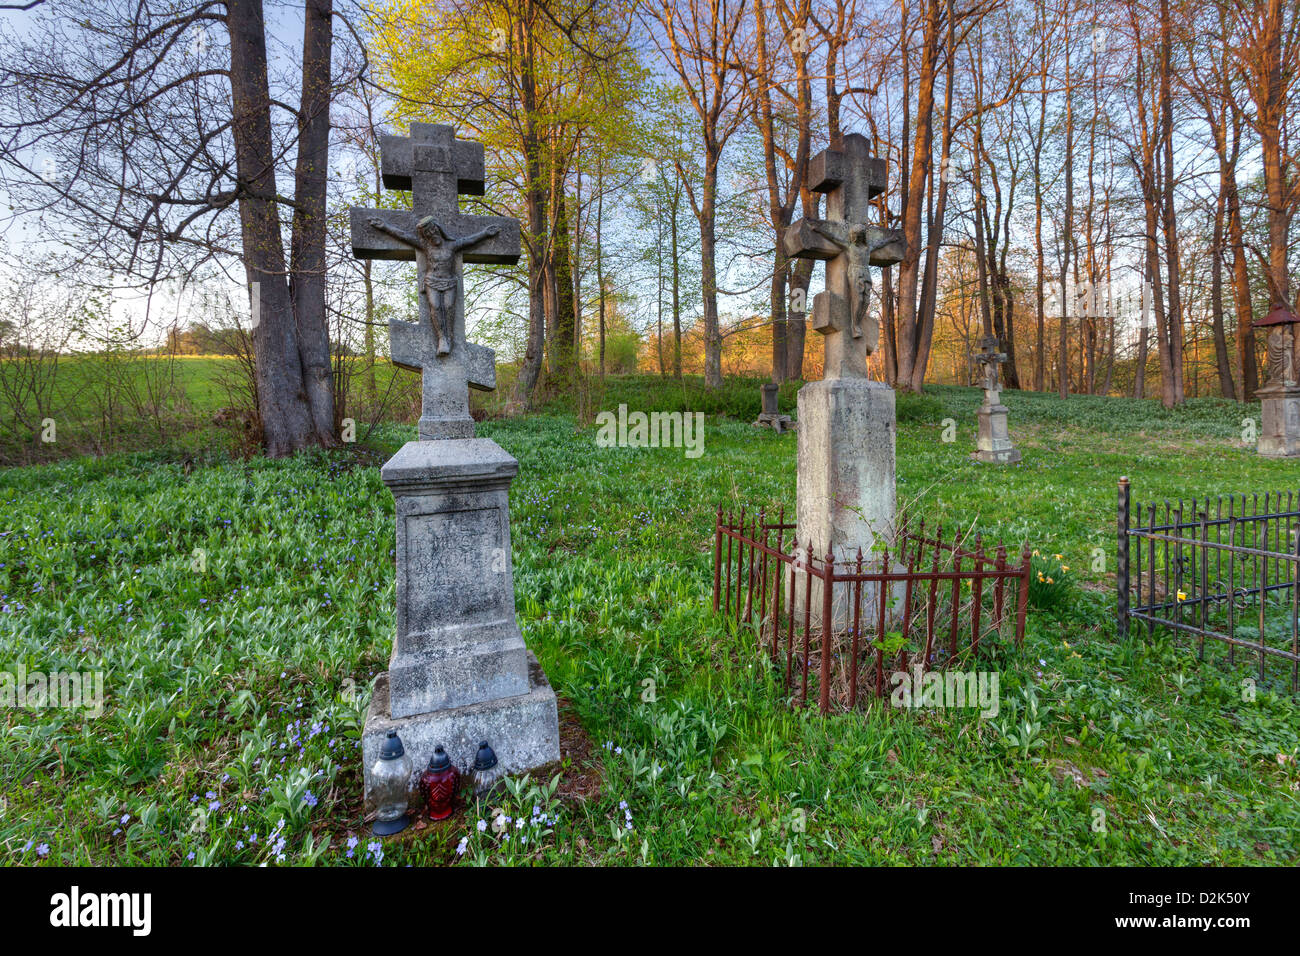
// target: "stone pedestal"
[[523, 731], [771, 416], [993, 444], [459, 672], [1279, 434], [845, 496]]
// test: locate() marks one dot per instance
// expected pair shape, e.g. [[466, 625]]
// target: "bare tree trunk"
[[677, 294], [563, 363], [535, 198], [796, 333], [1176, 393], [911, 325], [1248, 367], [1063, 381], [706, 216], [1226, 386], [307, 249], [600, 270], [938, 214], [287, 424]]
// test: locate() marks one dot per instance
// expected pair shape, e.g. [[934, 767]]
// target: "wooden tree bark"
[[535, 202], [909, 324], [307, 249], [282, 401]]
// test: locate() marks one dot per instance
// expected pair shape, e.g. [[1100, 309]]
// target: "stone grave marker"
[[460, 672], [1279, 397], [770, 416], [993, 443], [845, 496]]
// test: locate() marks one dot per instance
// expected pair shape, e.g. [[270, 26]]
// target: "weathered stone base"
[[440, 429], [771, 416], [993, 444], [845, 495], [524, 731], [778, 423], [1279, 434], [457, 642], [842, 599]]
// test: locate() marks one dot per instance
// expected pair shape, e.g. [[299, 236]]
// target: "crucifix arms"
[[473, 240], [846, 234], [398, 233], [429, 227], [834, 231], [828, 238]]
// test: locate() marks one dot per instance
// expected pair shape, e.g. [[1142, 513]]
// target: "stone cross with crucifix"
[[989, 358], [436, 168], [460, 673], [993, 440], [851, 177], [846, 501]]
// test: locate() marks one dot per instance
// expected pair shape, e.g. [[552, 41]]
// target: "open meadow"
[[239, 609]]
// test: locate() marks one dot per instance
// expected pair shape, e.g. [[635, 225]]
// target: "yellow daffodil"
[[1182, 595]]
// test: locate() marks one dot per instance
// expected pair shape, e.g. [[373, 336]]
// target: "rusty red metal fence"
[[925, 601], [1223, 567]]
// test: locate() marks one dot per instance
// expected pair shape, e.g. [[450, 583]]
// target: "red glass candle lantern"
[[438, 784]]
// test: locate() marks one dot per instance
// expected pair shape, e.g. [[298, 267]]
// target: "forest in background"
[[1106, 188]]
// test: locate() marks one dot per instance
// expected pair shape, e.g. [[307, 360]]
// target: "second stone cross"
[[845, 496]]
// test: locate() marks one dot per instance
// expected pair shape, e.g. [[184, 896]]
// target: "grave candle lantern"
[[391, 775], [486, 770], [438, 784]]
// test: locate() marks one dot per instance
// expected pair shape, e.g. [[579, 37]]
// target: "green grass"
[[248, 679]]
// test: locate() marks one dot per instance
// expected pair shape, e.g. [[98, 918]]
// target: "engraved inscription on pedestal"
[[450, 555], [457, 639]]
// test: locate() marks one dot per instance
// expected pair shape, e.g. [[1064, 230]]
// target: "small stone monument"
[[846, 422], [771, 416], [993, 443], [1279, 434], [459, 673]]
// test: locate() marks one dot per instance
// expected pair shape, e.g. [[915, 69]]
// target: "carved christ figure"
[[988, 359], [852, 241], [1281, 358], [435, 266]]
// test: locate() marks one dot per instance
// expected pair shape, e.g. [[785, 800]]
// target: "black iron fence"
[[926, 602], [1222, 567]]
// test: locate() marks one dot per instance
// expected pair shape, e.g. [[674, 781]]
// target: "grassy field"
[[238, 611]]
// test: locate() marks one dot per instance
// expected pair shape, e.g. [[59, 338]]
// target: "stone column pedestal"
[[771, 415], [993, 444], [845, 496], [459, 672], [1279, 434]]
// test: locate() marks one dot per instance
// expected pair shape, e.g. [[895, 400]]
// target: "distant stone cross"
[[989, 359], [436, 168], [851, 178]]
